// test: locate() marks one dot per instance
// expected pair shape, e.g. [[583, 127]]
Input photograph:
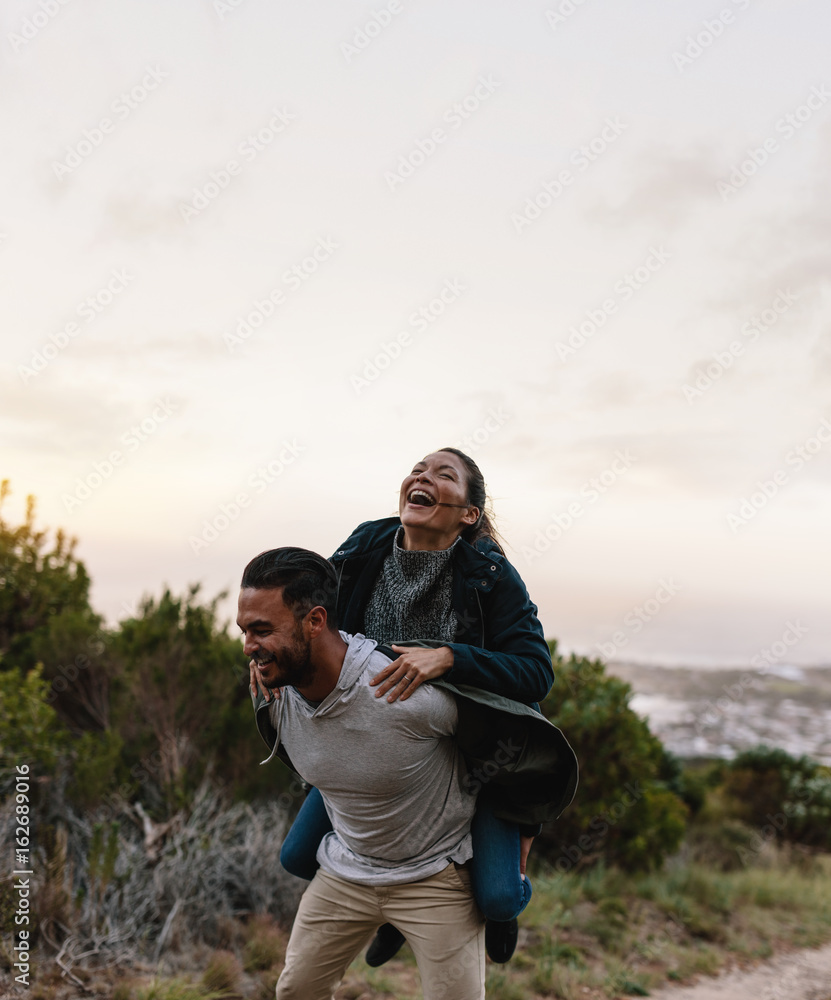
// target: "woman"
[[436, 572]]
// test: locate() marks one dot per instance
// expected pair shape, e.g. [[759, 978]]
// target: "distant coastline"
[[716, 711]]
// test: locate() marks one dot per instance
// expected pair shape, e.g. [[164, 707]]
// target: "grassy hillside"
[[601, 934]]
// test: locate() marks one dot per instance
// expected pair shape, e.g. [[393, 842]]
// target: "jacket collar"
[[482, 562], [367, 537]]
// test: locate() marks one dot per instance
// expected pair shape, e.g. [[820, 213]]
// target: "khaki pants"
[[336, 919]]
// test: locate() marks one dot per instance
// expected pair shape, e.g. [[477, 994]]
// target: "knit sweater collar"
[[416, 562], [412, 596]]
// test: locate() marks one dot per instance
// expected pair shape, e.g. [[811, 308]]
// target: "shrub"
[[627, 809], [29, 729], [785, 798], [39, 581], [222, 974], [183, 693], [97, 757], [720, 845], [266, 944]]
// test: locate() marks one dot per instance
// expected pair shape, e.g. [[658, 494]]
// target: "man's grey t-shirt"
[[389, 773]]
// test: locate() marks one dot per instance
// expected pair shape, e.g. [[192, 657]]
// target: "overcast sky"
[[260, 257]]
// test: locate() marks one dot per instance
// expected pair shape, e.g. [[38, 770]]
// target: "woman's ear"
[[471, 517]]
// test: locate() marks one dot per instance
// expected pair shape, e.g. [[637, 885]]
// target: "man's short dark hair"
[[308, 580]]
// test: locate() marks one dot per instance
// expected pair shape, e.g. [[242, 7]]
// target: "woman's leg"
[[499, 889], [298, 855]]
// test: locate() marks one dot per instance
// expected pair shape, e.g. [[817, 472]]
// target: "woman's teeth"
[[421, 498]]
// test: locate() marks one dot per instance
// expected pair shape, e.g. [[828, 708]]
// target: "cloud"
[[135, 217], [157, 353], [666, 188], [65, 420]]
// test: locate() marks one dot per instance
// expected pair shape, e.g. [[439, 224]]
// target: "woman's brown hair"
[[477, 497]]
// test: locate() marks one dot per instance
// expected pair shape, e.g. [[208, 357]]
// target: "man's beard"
[[294, 663]]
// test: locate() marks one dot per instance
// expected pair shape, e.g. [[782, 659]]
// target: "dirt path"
[[802, 975]]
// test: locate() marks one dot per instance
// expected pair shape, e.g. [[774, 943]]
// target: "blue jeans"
[[498, 889]]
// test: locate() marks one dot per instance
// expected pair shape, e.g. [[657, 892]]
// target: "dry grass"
[[265, 945], [609, 934], [223, 975], [600, 934], [99, 900]]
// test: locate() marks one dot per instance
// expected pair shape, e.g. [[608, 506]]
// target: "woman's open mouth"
[[420, 499]]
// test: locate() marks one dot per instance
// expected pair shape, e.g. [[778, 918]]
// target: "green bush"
[[720, 844], [182, 693], [97, 760], [628, 809], [690, 784], [39, 581], [29, 729], [783, 797]]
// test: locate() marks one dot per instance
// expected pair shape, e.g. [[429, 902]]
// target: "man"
[[392, 780]]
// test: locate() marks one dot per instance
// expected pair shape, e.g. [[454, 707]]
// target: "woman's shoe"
[[500, 939], [385, 945]]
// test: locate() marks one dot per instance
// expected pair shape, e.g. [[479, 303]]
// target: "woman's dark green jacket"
[[499, 644], [501, 666]]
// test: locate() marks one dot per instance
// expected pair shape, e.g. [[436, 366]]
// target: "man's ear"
[[315, 621]]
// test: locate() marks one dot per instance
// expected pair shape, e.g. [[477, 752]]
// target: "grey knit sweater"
[[411, 598]]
